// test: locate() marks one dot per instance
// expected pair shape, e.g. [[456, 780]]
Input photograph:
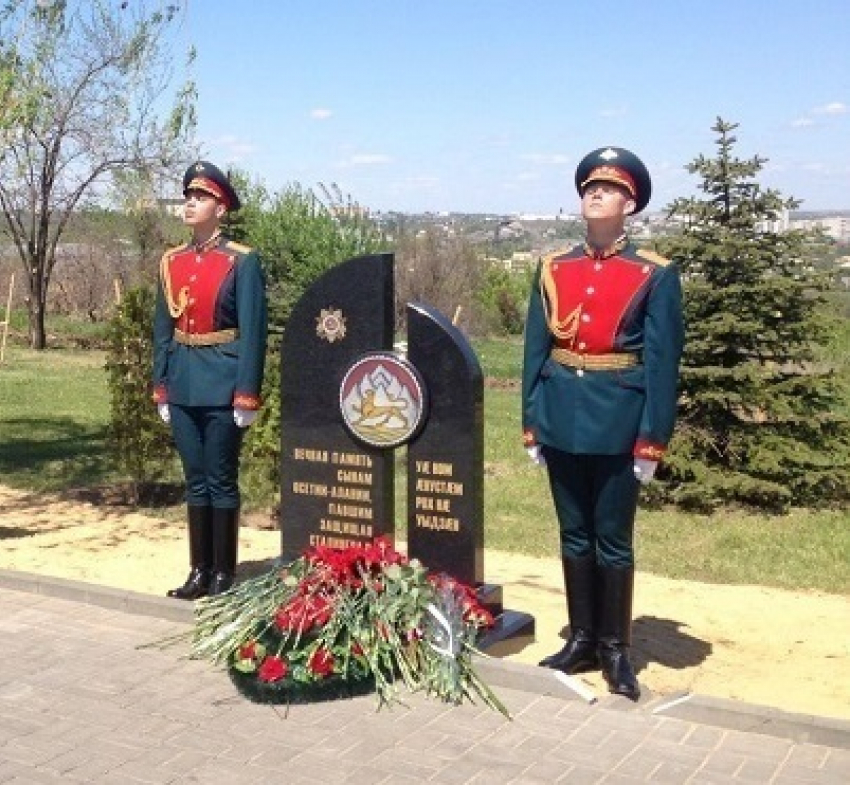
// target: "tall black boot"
[[200, 555], [579, 653], [225, 526], [616, 585]]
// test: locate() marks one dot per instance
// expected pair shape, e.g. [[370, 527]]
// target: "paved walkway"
[[81, 702]]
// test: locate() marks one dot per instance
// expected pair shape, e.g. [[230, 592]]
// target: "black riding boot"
[[200, 555], [225, 544], [579, 653], [615, 626]]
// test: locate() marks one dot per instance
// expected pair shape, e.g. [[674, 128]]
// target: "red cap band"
[[611, 174], [210, 187]]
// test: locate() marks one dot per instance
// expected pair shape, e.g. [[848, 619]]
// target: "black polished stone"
[[445, 463], [335, 491]]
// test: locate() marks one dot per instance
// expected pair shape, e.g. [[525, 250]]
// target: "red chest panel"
[[597, 293], [201, 276]]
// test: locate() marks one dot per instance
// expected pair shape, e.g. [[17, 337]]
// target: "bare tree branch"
[[88, 84]]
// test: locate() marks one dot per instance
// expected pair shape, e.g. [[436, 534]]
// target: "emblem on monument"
[[382, 400], [330, 325]]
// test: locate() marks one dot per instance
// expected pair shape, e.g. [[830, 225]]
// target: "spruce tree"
[[759, 419]]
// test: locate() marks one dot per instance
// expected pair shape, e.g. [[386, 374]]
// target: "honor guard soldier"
[[602, 346], [209, 355]]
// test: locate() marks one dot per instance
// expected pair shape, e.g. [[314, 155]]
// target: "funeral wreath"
[[341, 622]]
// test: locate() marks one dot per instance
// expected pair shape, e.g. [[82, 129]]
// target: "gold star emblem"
[[330, 325]]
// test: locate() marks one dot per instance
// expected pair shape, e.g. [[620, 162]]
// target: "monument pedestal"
[[512, 630]]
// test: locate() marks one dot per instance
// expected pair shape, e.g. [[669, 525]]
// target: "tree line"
[[84, 122]]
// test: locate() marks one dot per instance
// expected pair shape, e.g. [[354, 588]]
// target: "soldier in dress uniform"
[[209, 355], [602, 346]]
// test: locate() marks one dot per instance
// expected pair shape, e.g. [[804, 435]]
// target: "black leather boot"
[[579, 654], [200, 555], [225, 527], [616, 585]]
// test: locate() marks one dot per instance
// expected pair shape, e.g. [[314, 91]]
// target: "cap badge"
[[608, 154], [199, 167]]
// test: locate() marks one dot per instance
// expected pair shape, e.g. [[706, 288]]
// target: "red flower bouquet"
[[339, 622]]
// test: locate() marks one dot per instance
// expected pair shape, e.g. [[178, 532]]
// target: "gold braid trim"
[[232, 245], [566, 328], [651, 256], [177, 308]]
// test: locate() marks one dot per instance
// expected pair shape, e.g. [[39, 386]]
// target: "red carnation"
[[272, 669], [248, 651], [302, 614], [321, 662]]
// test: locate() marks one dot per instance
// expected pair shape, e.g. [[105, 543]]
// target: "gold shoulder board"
[[651, 256], [232, 245]]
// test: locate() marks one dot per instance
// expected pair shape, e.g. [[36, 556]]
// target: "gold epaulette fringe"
[[564, 329], [175, 308]]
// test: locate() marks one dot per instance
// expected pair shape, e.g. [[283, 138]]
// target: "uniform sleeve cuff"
[[652, 451], [160, 394], [528, 438], [246, 401]]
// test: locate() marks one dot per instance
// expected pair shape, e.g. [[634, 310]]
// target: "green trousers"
[[595, 500]]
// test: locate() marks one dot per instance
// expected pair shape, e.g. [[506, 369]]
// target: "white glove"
[[244, 417], [164, 412], [536, 455], [645, 469]]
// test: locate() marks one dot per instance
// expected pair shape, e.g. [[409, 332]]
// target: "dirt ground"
[[789, 650]]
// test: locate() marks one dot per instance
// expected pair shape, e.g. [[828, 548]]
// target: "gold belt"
[[594, 362], [206, 339]]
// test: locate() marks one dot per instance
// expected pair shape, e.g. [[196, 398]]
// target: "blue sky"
[[473, 106]]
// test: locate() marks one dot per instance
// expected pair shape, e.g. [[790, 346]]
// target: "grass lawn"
[[54, 410]]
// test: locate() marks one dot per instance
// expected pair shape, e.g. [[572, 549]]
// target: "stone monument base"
[[512, 630]]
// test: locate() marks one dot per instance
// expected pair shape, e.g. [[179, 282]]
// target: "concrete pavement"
[[80, 701]]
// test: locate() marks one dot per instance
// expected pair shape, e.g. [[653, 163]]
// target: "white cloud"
[[546, 159], [231, 148], [368, 159], [614, 112], [423, 181], [834, 107], [320, 114], [802, 122]]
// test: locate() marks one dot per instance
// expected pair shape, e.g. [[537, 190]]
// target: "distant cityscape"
[[517, 241], [834, 223]]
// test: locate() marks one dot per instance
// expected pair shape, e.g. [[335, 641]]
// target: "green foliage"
[[141, 444], [299, 237], [260, 467], [503, 297], [759, 420], [439, 268], [83, 96]]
